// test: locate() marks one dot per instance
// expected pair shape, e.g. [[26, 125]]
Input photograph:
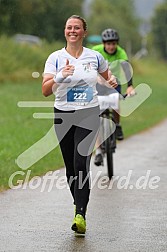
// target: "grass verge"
[[19, 130]]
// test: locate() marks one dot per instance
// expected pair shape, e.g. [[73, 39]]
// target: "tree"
[[37, 17], [7, 8], [119, 15], [159, 29]]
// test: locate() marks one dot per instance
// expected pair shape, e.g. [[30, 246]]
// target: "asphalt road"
[[128, 215]]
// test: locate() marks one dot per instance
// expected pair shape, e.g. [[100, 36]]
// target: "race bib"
[[80, 94]]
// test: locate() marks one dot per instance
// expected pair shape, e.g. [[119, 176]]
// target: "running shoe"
[[79, 224]]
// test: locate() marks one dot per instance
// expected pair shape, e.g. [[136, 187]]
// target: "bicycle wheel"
[[109, 153], [108, 148]]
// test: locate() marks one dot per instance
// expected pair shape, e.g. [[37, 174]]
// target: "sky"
[[144, 11], [144, 8]]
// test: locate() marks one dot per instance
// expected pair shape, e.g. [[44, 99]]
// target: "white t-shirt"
[[79, 90]]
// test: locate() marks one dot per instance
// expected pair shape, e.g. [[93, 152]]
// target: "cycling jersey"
[[114, 59], [79, 90], [114, 62], [120, 53]]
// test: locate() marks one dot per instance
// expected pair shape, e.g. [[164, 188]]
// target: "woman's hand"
[[108, 79], [68, 70], [130, 91], [112, 82], [64, 73]]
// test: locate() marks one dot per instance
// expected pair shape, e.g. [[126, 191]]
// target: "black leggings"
[[77, 132]]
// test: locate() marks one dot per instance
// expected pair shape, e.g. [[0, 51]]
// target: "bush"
[[18, 61]]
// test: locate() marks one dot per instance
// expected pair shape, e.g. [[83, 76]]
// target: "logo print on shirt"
[[87, 67]]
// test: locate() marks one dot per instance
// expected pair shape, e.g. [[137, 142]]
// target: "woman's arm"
[[105, 74], [108, 79], [48, 85]]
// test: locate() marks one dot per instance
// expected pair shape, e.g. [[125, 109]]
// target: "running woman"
[[71, 74]]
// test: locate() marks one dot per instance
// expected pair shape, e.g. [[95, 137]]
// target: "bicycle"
[[107, 128]]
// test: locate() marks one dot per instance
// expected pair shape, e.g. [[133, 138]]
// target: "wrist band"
[[58, 78]]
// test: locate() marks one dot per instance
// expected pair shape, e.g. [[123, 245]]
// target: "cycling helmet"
[[109, 35]]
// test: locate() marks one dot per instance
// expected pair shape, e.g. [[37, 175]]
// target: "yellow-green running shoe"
[[79, 224]]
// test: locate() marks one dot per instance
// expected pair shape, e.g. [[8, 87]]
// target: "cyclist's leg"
[[116, 115], [98, 150], [116, 112]]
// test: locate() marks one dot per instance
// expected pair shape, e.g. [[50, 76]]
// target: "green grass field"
[[19, 130], [154, 109]]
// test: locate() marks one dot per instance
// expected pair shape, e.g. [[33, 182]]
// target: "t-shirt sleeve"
[[102, 64], [50, 65]]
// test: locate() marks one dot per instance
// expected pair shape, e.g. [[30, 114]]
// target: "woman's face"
[[74, 30], [110, 46]]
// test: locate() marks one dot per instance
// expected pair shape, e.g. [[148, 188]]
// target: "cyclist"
[[72, 74], [117, 60]]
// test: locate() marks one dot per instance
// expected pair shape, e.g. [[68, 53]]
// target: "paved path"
[[118, 219]]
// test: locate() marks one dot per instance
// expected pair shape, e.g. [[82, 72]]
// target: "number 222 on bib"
[[79, 94]]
